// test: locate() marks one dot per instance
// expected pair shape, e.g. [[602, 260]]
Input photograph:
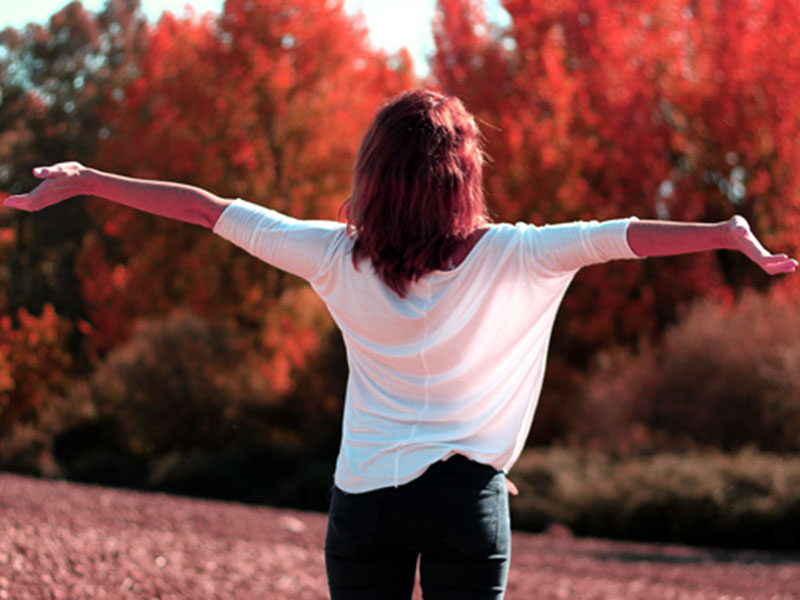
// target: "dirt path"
[[62, 540]]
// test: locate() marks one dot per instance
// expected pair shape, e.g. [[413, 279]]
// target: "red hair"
[[417, 186]]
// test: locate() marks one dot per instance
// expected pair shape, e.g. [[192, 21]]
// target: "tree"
[[267, 102], [53, 80], [596, 109]]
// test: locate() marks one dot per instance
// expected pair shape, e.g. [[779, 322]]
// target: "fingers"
[[43, 172], [46, 194], [26, 202], [781, 269], [49, 171], [771, 258], [58, 170], [18, 201], [779, 264]]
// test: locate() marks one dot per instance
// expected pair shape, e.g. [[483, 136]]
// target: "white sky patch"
[[392, 25], [17, 14]]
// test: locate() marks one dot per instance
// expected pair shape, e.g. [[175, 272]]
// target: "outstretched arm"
[[166, 199], [666, 238]]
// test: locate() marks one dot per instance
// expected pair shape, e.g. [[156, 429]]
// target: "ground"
[[63, 540]]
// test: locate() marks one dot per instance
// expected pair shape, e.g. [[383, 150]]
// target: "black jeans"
[[454, 518]]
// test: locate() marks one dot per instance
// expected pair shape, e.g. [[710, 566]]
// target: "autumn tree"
[[595, 109], [266, 102], [53, 81]]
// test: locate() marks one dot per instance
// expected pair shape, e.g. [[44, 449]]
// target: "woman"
[[446, 319]]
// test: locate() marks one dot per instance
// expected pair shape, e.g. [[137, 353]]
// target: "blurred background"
[[146, 353]]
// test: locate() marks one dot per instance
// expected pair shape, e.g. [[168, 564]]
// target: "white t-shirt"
[[457, 366]]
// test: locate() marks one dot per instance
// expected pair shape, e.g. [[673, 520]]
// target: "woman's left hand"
[[61, 181]]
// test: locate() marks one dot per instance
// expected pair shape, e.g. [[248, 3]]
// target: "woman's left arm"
[[173, 200], [666, 238]]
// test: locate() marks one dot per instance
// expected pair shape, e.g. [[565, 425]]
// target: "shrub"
[[185, 407], [178, 383], [34, 364], [264, 473], [25, 449], [746, 499], [726, 377]]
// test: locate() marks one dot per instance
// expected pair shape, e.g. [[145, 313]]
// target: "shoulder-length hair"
[[417, 186]]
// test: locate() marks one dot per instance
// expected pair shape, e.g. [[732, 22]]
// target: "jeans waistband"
[[462, 465]]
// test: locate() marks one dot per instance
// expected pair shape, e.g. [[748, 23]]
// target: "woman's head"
[[417, 186]]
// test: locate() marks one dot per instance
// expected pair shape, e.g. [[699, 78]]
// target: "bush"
[[26, 449], [34, 364], [726, 377], [179, 383], [185, 407], [262, 473], [747, 499]]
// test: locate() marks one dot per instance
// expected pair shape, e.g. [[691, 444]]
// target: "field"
[[63, 540]]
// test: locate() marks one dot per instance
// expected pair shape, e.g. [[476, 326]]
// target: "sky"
[[391, 24]]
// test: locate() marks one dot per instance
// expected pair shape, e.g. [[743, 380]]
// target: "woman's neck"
[[464, 247]]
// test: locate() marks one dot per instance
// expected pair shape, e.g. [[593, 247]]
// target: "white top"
[[457, 365]]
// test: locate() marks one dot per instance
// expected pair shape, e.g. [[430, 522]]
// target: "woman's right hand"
[[743, 239], [60, 181]]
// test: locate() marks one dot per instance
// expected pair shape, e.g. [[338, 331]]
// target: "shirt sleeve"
[[569, 246], [301, 247]]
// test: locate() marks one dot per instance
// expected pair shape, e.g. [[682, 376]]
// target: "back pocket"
[[469, 512], [352, 523]]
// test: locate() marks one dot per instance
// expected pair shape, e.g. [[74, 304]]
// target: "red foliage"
[[686, 109], [33, 363], [596, 109], [725, 377], [266, 103]]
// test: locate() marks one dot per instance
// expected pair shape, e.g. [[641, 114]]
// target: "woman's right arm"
[[667, 238], [173, 200]]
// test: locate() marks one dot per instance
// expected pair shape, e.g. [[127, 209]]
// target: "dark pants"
[[454, 518]]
